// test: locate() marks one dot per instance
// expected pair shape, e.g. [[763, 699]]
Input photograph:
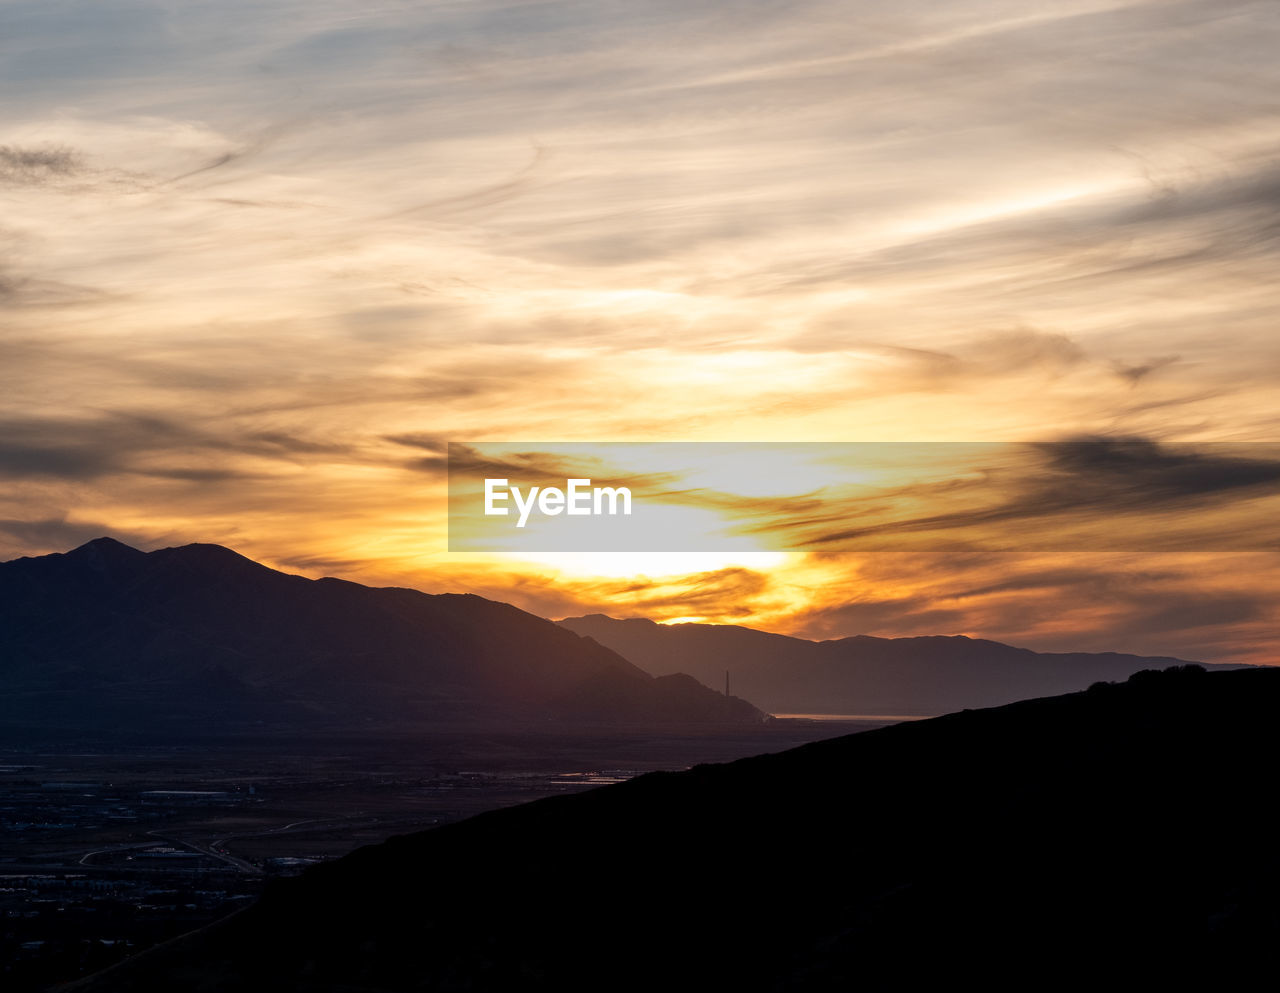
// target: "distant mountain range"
[[1111, 838], [180, 639], [859, 675]]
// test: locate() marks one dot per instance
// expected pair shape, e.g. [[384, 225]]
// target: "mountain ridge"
[[861, 674], [159, 629]]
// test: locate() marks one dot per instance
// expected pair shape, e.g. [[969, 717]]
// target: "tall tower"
[[726, 682]]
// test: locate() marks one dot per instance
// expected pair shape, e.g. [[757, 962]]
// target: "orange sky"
[[259, 262]]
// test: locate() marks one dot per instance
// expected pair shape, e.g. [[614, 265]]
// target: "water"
[[881, 718]]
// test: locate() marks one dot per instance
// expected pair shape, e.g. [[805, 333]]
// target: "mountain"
[[860, 675], [1117, 836], [109, 636]]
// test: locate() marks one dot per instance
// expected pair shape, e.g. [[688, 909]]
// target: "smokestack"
[[726, 682]]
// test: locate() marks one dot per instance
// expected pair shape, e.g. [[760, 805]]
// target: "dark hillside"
[[1127, 827]]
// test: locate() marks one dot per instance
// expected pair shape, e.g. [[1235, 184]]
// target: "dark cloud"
[[36, 166], [326, 565], [437, 444], [88, 448], [1139, 471], [30, 449], [1094, 582], [1137, 372], [65, 169], [1190, 609], [435, 462], [536, 466], [1158, 489], [198, 474], [1251, 195], [432, 465], [282, 443], [46, 535]]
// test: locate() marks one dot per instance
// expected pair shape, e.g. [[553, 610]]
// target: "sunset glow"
[[260, 263]]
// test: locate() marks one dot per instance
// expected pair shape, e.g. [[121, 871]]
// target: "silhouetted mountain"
[[107, 635], [861, 675], [1113, 837]]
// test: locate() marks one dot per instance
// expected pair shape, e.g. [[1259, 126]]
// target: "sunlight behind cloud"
[[643, 565]]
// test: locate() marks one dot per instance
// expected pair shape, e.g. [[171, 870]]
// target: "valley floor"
[[107, 848]]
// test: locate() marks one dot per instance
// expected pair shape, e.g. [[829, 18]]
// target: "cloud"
[[18, 291], [89, 448], [28, 166], [898, 617], [1136, 373], [486, 196], [1199, 606], [1121, 491], [258, 260], [470, 461], [74, 450], [57, 534], [729, 595], [969, 364], [1127, 470]]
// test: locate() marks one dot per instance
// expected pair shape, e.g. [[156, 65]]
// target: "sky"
[[260, 262]]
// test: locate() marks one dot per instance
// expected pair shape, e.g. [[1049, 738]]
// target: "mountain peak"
[[210, 559], [598, 618], [209, 552], [105, 542], [102, 554]]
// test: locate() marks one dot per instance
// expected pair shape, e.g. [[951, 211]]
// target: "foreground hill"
[[861, 675], [107, 636], [1117, 833]]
